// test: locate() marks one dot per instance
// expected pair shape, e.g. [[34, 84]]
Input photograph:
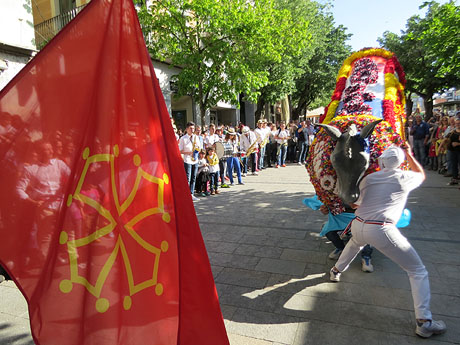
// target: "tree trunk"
[[297, 111], [202, 99], [428, 103], [267, 111], [260, 107], [202, 114]]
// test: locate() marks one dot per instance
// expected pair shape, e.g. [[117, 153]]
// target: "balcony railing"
[[46, 30]]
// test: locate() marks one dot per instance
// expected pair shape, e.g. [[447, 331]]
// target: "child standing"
[[203, 175], [213, 161]]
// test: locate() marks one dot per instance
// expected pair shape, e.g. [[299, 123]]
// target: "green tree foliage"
[[317, 82], [298, 53], [429, 51], [443, 36], [295, 45], [221, 46]]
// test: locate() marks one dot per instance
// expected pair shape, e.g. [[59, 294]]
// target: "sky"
[[367, 20]]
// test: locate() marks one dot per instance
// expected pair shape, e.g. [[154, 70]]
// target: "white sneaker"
[[194, 198], [366, 265], [335, 254], [428, 328], [243, 175], [300, 163], [334, 276], [255, 173]]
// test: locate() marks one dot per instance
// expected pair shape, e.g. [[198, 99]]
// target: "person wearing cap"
[[261, 135], [248, 141], [231, 140], [267, 130], [383, 195]]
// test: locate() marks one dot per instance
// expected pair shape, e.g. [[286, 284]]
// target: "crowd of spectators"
[[436, 143], [214, 156]]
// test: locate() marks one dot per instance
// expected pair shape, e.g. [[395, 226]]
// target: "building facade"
[[448, 102], [28, 25], [17, 43]]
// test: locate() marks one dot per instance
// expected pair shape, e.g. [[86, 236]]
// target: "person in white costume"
[[41, 187], [189, 146], [248, 141], [383, 195]]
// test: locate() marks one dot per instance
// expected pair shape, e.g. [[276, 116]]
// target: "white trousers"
[[390, 242]]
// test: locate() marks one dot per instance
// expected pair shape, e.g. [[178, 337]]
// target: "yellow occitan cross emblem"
[[102, 304]]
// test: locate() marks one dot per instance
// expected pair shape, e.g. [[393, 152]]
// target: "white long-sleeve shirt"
[[43, 182], [186, 144], [384, 194], [247, 140]]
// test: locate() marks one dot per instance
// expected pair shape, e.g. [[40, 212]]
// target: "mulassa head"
[[350, 158]]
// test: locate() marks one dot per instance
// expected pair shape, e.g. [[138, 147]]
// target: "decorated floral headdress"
[[370, 86], [370, 82]]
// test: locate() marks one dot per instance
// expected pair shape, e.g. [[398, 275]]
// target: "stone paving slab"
[[364, 308], [280, 266], [269, 326]]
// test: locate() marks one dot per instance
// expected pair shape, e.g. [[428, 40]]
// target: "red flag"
[[97, 225]]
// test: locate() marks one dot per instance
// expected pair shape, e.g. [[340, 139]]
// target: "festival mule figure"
[[365, 119]]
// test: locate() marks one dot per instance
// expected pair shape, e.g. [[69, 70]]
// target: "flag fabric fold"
[[97, 225]]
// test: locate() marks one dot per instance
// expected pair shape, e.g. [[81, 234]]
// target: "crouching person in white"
[[383, 195]]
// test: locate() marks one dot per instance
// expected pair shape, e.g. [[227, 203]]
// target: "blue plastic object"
[[313, 203], [405, 218]]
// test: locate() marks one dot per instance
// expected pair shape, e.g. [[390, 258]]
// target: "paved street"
[[269, 266]]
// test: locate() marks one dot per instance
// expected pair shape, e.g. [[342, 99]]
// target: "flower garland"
[[393, 103], [346, 67], [332, 107], [393, 66]]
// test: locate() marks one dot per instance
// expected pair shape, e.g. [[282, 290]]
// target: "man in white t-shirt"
[[383, 195], [212, 137], [189, 147], [282, 136]]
